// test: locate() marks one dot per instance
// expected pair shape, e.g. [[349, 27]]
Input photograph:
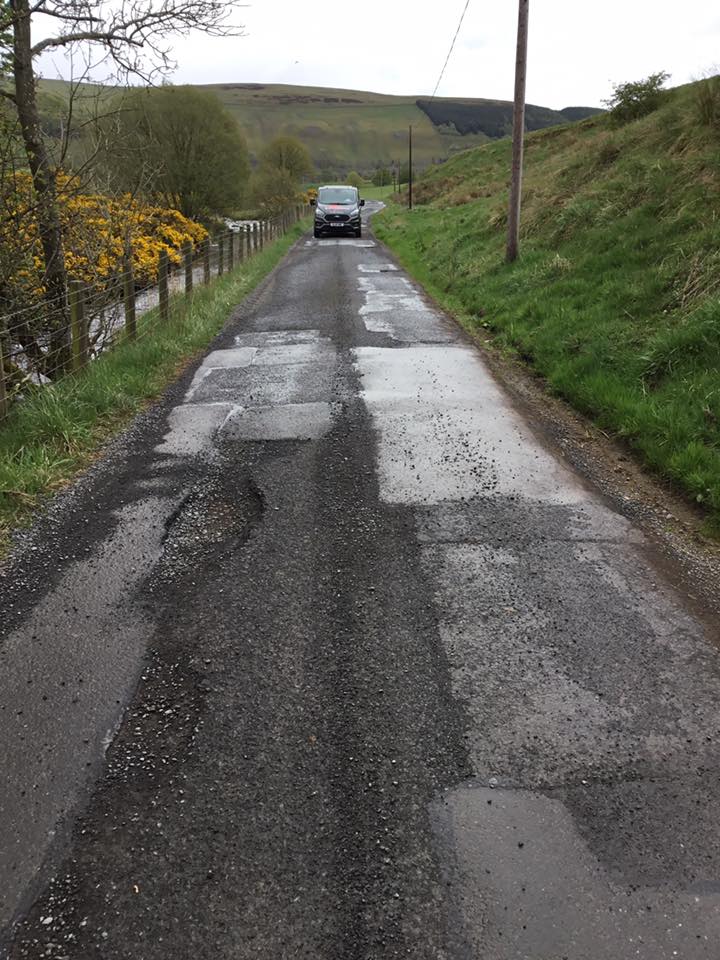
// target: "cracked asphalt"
[[332, 656]]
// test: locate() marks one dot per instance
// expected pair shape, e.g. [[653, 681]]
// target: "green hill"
[[616, 298], [350, 129]]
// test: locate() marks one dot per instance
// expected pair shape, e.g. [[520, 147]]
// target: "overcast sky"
[[578, 49]]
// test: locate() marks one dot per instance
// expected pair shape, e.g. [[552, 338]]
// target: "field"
[[376, 193], [616, 298]]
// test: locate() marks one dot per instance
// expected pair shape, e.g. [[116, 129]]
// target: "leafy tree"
[[273, 190], [289, 155], [131, 34], [382, 177], [637, 98], [354, 179], [193, 153], [284, 164], [404, 174]]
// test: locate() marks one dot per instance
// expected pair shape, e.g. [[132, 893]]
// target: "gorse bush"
[[96, 229], [637, 98]]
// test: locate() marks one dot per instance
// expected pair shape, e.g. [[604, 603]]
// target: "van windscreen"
[[337, 195]]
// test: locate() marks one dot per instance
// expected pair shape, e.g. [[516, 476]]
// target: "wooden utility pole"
[[513, 244], [410, 170]]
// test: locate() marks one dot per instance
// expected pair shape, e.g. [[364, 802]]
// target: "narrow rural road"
[[332, 658]]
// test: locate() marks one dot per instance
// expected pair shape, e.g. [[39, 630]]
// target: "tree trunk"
[[45, 186]]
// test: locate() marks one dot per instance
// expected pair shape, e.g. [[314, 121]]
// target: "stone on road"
[[332, 657]]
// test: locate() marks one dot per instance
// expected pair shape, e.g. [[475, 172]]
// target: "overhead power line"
[[452, 47]]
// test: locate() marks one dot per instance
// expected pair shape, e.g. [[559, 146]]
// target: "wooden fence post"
[[163, 286], [206, 260], [241, 245], [3, 388], [231, 251], [129, 297], [188, 263], [78, 327], [221, 256]]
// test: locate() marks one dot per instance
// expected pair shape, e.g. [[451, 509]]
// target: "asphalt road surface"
[[331, 657]]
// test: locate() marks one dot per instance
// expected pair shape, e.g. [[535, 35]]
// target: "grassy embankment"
[[616, 299], [57, 431]]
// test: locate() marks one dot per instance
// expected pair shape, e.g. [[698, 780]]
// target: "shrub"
[[95, 230], [636, 98], [272, 190]]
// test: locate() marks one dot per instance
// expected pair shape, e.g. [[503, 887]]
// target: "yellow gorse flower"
[[96, 229]]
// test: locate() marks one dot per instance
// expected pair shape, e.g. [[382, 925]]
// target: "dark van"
[[337, 211]]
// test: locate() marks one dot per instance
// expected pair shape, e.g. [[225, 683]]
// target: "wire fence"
[[59, 336]]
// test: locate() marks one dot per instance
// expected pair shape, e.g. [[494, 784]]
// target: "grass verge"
[[58, 430], [616, 299]]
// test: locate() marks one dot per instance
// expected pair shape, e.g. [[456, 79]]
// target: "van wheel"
[[317, 234], [358, 233]]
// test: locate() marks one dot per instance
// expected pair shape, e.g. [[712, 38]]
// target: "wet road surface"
[[331, 657]]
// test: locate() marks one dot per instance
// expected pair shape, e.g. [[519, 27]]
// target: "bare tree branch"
[[137, 24]]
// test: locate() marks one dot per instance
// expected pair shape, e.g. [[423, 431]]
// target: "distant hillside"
[[346, 129], [343, 129], [494, 118], [352, 129]]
